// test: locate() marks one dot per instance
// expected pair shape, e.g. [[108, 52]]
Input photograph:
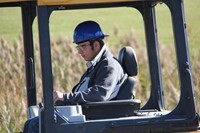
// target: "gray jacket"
[[103, 82]]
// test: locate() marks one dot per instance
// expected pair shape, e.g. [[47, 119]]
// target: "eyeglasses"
[[82, 47]]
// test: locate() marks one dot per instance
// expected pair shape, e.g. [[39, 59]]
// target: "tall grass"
[[67, 69], [12, 84]]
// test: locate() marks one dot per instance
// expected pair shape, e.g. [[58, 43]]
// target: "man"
[[104, 75], [103, 78]]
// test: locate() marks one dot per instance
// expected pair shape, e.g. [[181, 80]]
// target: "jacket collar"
[[97, 58]]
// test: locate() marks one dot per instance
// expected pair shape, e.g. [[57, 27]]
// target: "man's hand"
[[57, 95]]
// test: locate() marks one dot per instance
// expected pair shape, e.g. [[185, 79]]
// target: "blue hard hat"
[[87, 30]]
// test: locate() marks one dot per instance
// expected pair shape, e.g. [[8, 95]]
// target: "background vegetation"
[[125, 27]]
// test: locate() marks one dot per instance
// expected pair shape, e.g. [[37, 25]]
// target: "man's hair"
[[100, 40]]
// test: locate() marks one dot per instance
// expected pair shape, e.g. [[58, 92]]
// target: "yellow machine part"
[[70, 2], [75, 2], [6, 1]]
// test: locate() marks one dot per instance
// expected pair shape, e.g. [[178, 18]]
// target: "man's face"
[[86, 50]]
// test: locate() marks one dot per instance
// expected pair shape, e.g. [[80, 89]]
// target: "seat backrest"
[[128, 60]]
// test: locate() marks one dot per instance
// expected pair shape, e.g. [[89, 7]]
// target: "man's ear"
[[97, 45]]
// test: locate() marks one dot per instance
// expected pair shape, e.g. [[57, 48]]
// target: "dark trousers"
[[32, 125]]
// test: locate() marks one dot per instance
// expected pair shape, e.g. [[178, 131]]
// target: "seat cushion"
[[126, 90], [128, 60]]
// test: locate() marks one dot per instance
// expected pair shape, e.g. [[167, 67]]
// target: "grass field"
[[123, 29], [63, 23]]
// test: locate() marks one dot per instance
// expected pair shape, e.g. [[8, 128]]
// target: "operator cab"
[[129, 117], [118, 115]]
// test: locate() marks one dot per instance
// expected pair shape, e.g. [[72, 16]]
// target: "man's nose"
[[80, 51]]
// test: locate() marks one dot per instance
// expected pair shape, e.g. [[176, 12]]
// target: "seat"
[[128, 61], [124, 104]]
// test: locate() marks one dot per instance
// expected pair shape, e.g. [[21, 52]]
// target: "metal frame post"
[[156, 100], [48, 116], [187, 99], [28, 14]]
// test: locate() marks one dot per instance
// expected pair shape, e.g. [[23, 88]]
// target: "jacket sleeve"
[[108, 73]]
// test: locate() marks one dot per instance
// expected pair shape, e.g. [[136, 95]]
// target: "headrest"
[[128, 60]]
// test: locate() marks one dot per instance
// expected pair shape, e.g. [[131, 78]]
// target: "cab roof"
[[10, 1], [70, 2]]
